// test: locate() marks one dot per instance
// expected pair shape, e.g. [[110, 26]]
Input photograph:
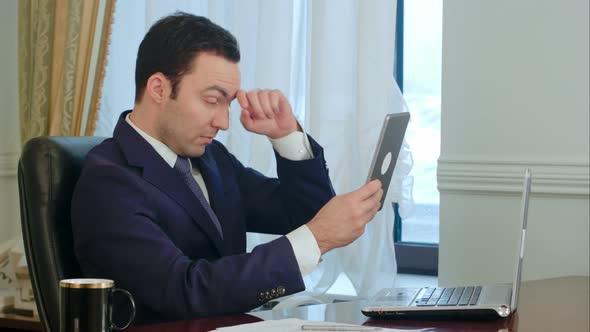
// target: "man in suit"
[[163, 209]]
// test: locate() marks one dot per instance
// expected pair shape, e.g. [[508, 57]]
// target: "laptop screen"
[[520, 244]]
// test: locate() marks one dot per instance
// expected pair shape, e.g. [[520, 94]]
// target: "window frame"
[[412, 257]]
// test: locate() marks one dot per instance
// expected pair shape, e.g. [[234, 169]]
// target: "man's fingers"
[[264, 99], [275, 96], [242, 99], [246, 119], [284, 105], [371, 205], [366, 196], [255, 108], [377, 200], [368, 190]]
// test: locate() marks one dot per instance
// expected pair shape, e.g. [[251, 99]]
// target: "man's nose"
[[221, 120]]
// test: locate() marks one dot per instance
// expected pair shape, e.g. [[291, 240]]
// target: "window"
[[418, 73]]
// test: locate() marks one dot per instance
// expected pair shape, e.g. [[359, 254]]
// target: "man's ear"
[[158, 87]]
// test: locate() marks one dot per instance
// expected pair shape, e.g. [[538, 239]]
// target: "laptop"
[[388, 147], [489, 301]]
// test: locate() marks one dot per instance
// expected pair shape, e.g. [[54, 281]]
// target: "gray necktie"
[[182, 165]]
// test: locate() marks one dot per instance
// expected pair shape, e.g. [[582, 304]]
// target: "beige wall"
[[9, 132], [515, 94]]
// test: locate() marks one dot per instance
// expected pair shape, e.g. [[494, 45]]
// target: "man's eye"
[[212, 101]]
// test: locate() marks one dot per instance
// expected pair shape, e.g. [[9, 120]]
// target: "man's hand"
[[267, 112], [343, 219]]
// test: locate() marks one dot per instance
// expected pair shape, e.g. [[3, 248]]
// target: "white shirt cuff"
[[294, 146], [306, 249]]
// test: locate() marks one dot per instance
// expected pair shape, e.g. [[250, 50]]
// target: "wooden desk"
[[10, 323], [560, 304]]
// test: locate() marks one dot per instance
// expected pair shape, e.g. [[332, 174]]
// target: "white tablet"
[[387, 151]]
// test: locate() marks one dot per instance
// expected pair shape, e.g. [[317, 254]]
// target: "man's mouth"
[[207, 139]]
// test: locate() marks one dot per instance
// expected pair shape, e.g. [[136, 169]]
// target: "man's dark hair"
[[172, 43]]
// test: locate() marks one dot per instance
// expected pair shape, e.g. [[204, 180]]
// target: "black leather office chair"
[[48, 170]]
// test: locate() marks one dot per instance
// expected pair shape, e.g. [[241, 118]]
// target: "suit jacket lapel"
[[140, 153]]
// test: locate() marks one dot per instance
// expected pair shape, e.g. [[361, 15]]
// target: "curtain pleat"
[[61, 60], [105, 32]]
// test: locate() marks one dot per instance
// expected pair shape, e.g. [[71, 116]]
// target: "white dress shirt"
[[294, 146]]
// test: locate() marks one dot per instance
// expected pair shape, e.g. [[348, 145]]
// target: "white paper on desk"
[[283, 325]]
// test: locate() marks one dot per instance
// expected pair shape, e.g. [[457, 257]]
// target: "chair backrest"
[[48, 170]]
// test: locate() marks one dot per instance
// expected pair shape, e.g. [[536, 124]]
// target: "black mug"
[[87, 305]]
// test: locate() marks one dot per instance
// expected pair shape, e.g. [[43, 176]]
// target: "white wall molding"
[[482, 174], [8, 163]]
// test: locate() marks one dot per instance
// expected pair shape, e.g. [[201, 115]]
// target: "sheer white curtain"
[[334, 61], [351, 89]]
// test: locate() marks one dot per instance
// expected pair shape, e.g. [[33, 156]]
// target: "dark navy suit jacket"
[[135, 221]]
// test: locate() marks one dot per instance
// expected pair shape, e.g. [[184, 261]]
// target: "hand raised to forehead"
[[266, 112]]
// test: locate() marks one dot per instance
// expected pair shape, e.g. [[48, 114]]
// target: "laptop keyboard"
[[449, 296]]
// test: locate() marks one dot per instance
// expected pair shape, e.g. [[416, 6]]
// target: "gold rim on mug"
[[86, 283]]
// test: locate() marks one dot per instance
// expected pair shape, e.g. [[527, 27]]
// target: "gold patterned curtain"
[[62, 53]]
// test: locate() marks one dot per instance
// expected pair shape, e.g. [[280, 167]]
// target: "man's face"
[[188, 123]]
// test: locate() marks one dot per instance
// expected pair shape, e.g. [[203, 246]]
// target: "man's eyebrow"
[[220, 90]]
